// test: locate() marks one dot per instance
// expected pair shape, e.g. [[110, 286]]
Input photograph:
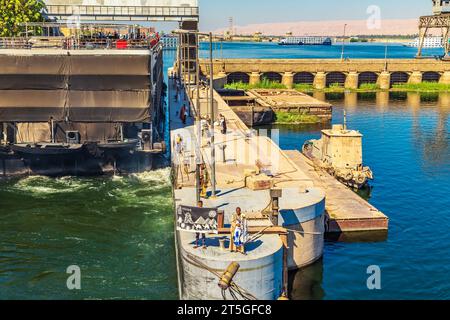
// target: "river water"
[[119, 230]]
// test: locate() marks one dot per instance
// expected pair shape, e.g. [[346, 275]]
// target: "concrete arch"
[[272, 76], [335, 78], [303, 78], [238, 77], [367, 77], [399, 77], [431, 76]]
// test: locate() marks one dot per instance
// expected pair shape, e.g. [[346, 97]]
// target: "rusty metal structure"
[[439, 20]]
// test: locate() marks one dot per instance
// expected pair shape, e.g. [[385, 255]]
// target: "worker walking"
[[238, 231]]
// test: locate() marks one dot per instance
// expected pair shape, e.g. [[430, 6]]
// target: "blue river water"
[[120, 230]]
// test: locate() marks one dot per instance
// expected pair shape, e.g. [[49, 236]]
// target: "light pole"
[[385, 57], [211, 91], [343, 43], [211, 105]]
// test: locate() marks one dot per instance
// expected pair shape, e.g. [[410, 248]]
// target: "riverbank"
[[295, 118], [424, 87]]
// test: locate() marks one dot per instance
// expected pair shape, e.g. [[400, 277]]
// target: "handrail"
[[68, 43]]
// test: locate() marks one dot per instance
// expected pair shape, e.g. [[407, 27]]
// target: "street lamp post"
[[343, 43]]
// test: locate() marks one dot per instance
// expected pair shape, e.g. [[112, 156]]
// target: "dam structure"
[[323, 73]]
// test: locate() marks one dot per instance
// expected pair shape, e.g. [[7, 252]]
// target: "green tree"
[[15, 12]]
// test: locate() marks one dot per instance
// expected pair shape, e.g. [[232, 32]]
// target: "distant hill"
[[330, 28]]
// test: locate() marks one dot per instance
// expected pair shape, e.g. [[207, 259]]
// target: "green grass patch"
[[369, 86], [339, 88], [424, 86], [264, 84], [295, 118], [304, 87]]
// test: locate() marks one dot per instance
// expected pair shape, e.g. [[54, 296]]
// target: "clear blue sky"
[[215, 13]]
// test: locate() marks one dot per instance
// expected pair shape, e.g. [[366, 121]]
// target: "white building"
[[429, 43], [441, 6]]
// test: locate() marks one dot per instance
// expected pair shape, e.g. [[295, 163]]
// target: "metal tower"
[[440, 20]]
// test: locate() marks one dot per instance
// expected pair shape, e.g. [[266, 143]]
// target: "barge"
[[81, 102], [339, 152]]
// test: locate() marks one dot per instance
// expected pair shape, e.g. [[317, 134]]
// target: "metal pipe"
[[188, 36], [211, 90], [52, 125]]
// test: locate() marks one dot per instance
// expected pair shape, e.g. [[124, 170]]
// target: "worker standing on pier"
[[223, 124], [197, 235], [204, 181], [238, 231], [183, 114]]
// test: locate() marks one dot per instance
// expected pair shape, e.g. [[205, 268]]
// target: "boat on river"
[[339, 152], [46, 149]]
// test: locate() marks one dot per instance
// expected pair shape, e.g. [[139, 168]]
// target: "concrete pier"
[[250, 161], [248, 166], [347, 212]]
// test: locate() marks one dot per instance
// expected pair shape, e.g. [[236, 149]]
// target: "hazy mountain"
[[331, 28]]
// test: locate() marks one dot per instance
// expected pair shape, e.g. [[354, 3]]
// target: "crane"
[[439, 20]]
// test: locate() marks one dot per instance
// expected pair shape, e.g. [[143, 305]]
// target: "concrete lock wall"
[[307, 242], [321, 69], [262, 276]]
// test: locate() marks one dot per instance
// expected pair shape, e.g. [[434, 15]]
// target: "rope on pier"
[[234, 288]]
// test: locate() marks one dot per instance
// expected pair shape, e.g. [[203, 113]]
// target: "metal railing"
[[68, 43], [123, 11]]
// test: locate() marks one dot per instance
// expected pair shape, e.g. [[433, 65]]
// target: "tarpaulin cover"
[[64, 64], [92, 87], [74, 82], [109, 106], [78, 106], [32, 105], [33, 132], [40, 131]]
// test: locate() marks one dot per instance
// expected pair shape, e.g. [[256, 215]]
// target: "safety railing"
[[85, 43], [142, 11]]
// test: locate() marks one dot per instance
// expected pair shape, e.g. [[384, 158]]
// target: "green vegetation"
[[354, 40], [264, 84], [422, 87], [339, 88], [304, 87], [295, 118], [15, 12], [369, 87]]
